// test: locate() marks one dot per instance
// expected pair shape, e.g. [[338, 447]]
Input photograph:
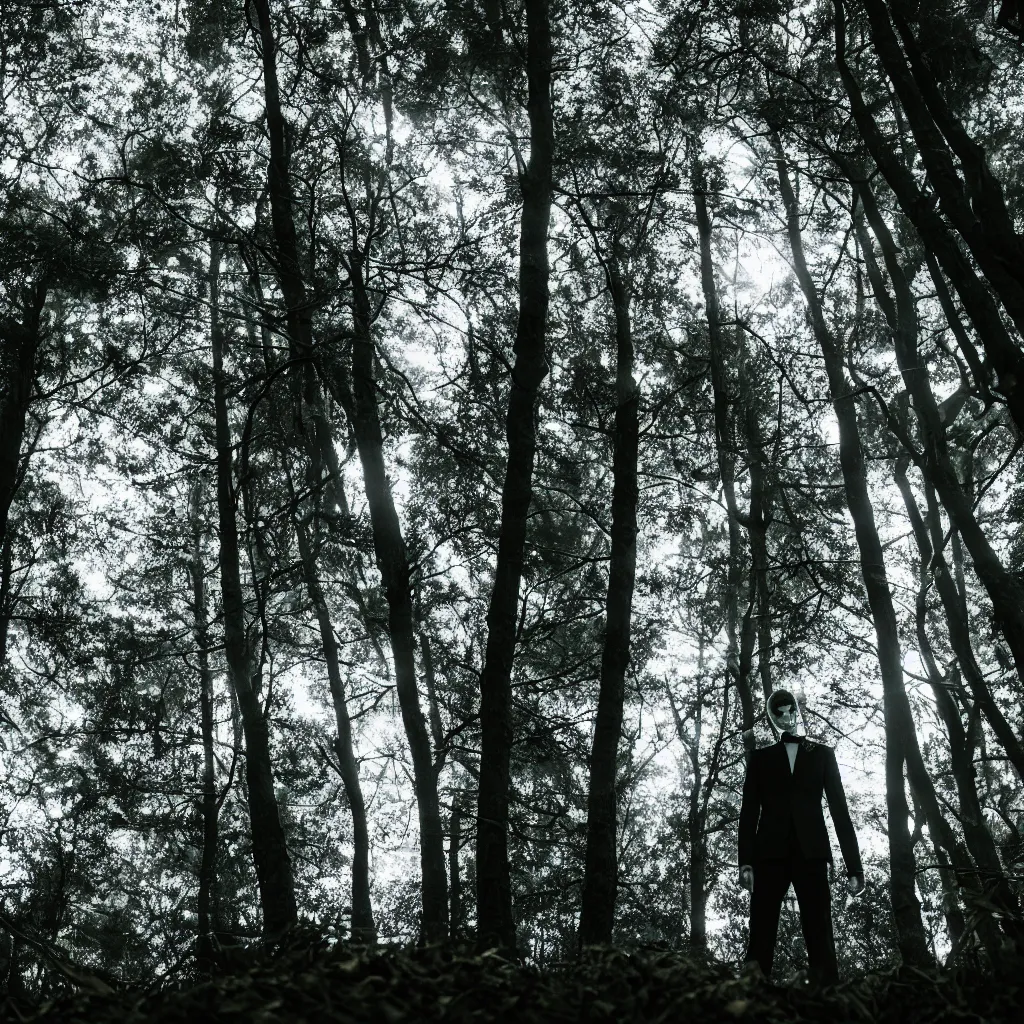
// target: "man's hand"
[[855, 884], [747, 877]]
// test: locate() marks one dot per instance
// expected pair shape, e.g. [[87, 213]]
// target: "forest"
[[431, 429]]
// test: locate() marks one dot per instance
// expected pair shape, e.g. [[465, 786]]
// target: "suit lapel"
[[801, 755], [804, 758]]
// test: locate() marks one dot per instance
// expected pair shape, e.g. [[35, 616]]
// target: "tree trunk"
[[967, 347], [1004, 354], [455, 876], [389, 545], [978, 212], [206, 910], [757, 532], [433, 708], [287, 265], [959, 627], [495, 922], [315, 425], [600, 878], [393, 563], [19, 343], [364, 929], [695, 826], [725, 443], [934, 460], [899, 726], [697, 805], [269, 850], [7, 602], [972, 819], [951, 911], [950, 594], [941, 831]]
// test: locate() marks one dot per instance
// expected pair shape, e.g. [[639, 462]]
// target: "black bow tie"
[[788, 737]]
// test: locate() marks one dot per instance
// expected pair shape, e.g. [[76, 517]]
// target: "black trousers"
[[810, 881]]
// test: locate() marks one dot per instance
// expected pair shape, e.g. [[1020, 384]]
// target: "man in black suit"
[[783, 839]]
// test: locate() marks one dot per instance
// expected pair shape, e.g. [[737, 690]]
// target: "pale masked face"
[[785, 719]]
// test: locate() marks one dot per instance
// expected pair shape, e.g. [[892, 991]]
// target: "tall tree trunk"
[[269, 850], [977, 211], [974, 861], [757, 532], [967, 347], [393, 563], [600, 877], [206, 909], [1006, 595], [972, 819], [725, 443], [951, 911], [950, 593], [899, 726], [495, 922], [699, 800], [19, 343], [286, 260], [454, 874], [958, 625], [287, 265], [433, 708], [942, 834], [1003, 352], [363, 928], [697, 858], [6, 599], [389, 545]]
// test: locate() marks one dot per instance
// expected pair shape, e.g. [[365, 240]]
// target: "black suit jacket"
[[777, 801]]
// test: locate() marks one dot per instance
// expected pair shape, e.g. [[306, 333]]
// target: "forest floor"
[[403, 986]]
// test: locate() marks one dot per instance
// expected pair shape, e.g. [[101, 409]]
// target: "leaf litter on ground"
[[310, 982]]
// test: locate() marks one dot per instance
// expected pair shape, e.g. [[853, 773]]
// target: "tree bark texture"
[[285, 253], [950, 591], [269, 850], [285, 256], [1003, 352], [725, 443], [454, 874], [393, 563], [6, 599], [206, 910], [959, 627], [975, 206], [1006, 595], [19, 343], [600, 877], [977, 836], [757, 532], [495, 922], [389, 545], [364, 930], [899, 725], [695, 822]]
